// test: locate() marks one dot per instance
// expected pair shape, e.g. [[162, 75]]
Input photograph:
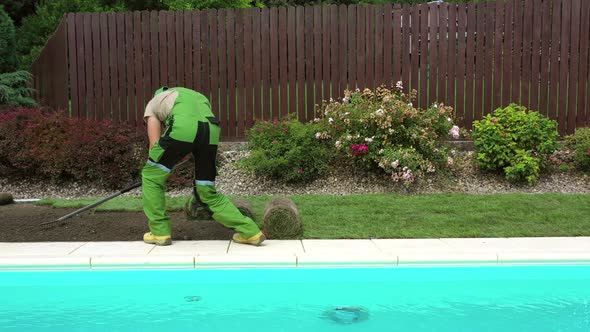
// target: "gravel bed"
[[339, 181]]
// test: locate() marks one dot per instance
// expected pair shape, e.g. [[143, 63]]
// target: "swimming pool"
[[498, 298]]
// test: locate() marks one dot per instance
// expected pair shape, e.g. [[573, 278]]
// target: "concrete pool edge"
[[295, 254]]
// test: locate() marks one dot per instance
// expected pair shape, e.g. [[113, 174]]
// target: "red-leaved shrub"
[[36, 141]]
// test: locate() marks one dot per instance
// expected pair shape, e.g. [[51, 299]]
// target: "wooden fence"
[[267, 63]]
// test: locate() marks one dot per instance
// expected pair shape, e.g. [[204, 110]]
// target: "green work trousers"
[[180, 139]]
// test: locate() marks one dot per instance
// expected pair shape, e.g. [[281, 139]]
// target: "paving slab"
[[15, 249]]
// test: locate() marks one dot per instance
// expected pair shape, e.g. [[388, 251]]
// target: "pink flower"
[[493, 120], [286, 130], [588, 152], [358, 149], [454, 132], [274, 142], [299, 171]]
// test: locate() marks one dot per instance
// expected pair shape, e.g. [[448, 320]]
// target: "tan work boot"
[[164, 240], [256, 240]]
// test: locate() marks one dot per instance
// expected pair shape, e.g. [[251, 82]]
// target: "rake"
[[97, 203]]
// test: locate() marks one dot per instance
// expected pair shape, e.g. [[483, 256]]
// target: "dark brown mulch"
[[20, 222]]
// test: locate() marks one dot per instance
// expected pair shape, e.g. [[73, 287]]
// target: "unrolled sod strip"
[[6, 198], [281, 219]]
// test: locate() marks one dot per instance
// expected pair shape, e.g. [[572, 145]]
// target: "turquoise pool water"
[[516, 298]]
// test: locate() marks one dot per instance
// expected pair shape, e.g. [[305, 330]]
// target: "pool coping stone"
[[218, 254]]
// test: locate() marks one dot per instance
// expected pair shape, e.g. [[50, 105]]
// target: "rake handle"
[[120, 192]]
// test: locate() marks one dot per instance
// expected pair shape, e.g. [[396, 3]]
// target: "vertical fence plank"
[[433, 59], [292, 57], [536, 54], [507, 54], [163, 49], [574, 66], [61, 67], [214, 60], [244, 68], [527, 37], [137, 77], [274, 63], [387, 44], [204, 45], [146, 52], [517, 53], [498, 47], [283, 63], [583, 107], [80, 109], [104, 65], [370, 46], [256, 70], [489, 57], [170, 47], [150, 33], [122, 67], [469, 65], [361, 59], [443, 46], [129, 85], [334, 79], [301, 57], [96, 105], [231, 72], [423, 51], [265, 26], [196, 43], [113, 81], [188, 49], [545, 58], [89, 79], [352, 44], [406, 67], [342, 49], [309, 62], [317, 55], [563, 64], [414, 47], [220, 89], [325, 84], [179, 49], [396, 34], [480, 57], [461, 61], [377, 35], [554, 80], [451, 54], [235, 38]]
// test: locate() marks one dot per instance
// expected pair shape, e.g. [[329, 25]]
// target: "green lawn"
[[419, 216]]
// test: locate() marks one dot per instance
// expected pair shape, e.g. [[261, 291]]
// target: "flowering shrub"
[[287, 150], [580, 143], [382, 130], [516, 141], [35, 141]]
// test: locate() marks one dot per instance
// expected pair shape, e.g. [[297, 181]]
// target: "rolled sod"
[[281, 219], [6, 198], [196, 211], [245, 207]]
